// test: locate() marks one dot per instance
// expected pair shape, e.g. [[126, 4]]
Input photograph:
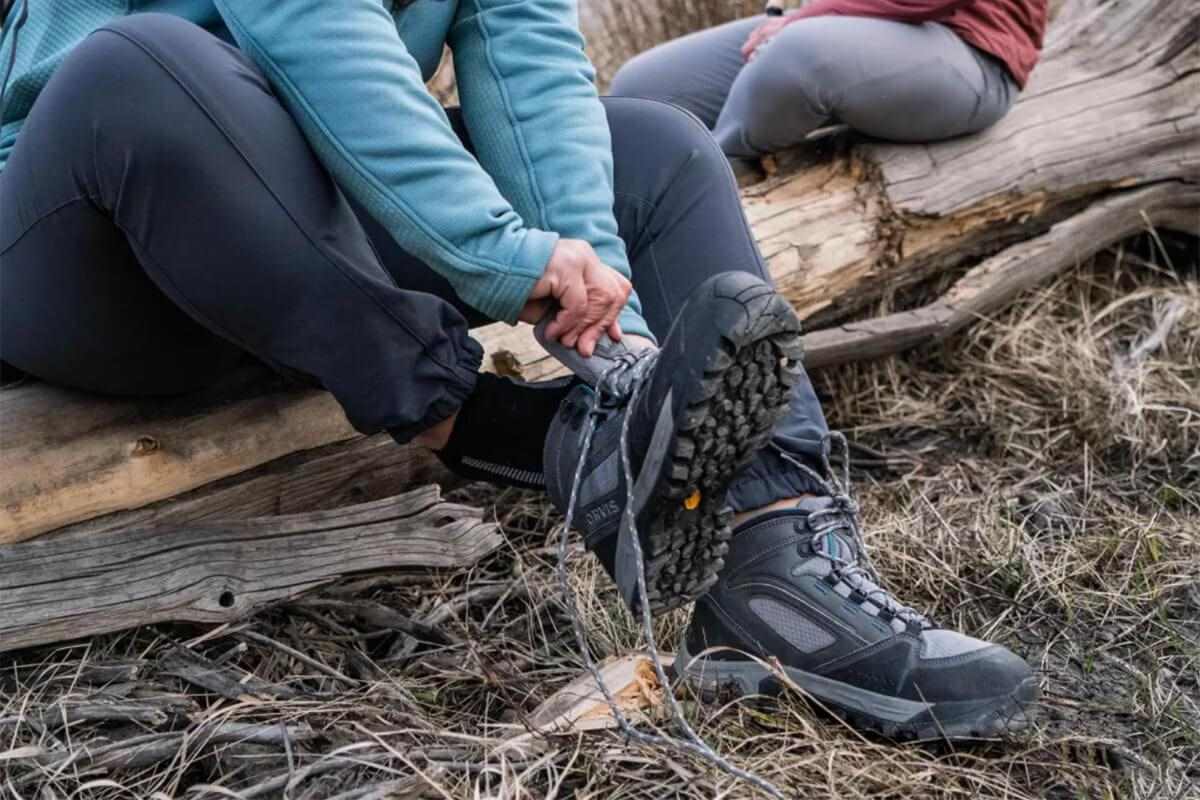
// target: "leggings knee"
[[779, 80], [111, 76], [633, 79], [675, 137], [120, 49], [129, 78]]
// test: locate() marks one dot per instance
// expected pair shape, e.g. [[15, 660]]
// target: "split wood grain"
[[62, 587]]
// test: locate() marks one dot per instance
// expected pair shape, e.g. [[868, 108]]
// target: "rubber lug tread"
[[744, 393]]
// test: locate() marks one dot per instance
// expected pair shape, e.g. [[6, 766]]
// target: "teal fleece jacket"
[[352, 73]]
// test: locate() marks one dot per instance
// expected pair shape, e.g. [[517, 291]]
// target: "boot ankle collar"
[[765, 534]]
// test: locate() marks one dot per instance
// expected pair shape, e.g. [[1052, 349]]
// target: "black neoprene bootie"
[[501, 429]]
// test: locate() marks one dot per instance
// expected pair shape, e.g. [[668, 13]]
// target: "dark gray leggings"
[[891, 80], [162, 215]]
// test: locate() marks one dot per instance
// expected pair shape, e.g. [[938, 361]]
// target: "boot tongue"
[[835, 541], [612, 362]]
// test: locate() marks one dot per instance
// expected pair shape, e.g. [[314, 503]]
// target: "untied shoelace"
[[612, 389]]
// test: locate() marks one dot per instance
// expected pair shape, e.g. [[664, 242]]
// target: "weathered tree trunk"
[[1103, 143], [63, 587]]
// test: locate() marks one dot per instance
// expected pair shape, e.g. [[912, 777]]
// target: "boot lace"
[[843, 518], [617, 384], [621, 384]]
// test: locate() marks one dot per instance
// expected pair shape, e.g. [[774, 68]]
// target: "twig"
[[195, 669], [100, 674], [62, 715], [143, 751], [453, 607], [355, 588], [324, 669], [390, 790], [290, 780], [378, 614]]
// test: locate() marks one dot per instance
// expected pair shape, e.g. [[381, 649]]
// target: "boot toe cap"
[[969, 674]]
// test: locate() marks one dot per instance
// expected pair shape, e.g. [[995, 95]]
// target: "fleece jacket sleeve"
[[536, 122], [356, 92]]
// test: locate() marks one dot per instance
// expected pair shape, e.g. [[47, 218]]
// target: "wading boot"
[[684, 419], [796, 592]]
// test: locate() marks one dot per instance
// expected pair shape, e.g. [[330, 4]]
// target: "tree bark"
[[1104, 142], [62, 587]]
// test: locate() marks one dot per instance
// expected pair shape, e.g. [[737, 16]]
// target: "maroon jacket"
[[1011, 30]]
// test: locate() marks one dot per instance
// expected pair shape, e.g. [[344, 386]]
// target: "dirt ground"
[[1034, 482]]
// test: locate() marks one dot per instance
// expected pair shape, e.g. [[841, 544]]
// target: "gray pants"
[[891, 80]]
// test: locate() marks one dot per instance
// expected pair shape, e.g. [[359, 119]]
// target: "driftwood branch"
[[997, 281], [67, 586]]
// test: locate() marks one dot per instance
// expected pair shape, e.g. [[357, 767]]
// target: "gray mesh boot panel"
[[797, 630]]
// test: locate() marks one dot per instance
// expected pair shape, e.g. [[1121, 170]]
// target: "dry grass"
[[1038, 486]]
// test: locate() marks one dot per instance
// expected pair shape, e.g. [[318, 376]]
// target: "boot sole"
[[891, 717], [729, 416]]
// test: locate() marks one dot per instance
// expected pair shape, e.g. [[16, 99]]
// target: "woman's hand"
[[588, 293], [762, 34]]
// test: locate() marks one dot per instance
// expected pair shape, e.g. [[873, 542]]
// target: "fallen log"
[[75, 462], [69, 456], [66, 586], [1104, 142], [340, 474]]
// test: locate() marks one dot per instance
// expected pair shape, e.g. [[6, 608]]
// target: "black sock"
[[500, 430]]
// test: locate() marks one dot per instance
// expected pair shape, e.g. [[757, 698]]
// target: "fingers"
[[586, 344], [573, 300], [752, 41], [589, 293], [590, 337], [609, 322], [760, 36], [751, 52], [606, 321]]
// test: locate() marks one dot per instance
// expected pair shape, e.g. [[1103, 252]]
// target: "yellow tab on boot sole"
[[692, 501]]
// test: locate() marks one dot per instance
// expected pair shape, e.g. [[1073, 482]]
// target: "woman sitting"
[[901, 70]]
